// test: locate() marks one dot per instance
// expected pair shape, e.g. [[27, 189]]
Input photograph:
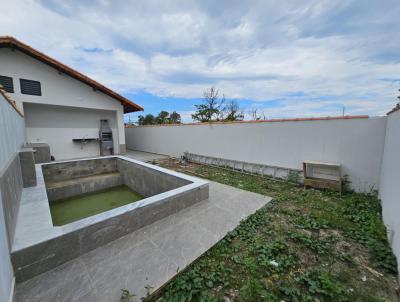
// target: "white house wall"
[[390, 182], [57, 89], [355, 143], [58, 125]]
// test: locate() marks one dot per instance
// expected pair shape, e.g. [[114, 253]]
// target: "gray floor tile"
[[68, 282], [185, 243]]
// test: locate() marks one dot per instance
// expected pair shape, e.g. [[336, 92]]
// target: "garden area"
[[306, 245]]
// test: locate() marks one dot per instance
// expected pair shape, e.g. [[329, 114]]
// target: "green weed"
[[304, 246]]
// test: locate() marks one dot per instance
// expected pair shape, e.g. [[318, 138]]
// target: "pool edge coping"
[[52, 232]]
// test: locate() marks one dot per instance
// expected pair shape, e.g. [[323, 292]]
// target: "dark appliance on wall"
[[106, 139]]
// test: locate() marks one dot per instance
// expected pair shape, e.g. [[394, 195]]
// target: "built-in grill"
[[106, 139]]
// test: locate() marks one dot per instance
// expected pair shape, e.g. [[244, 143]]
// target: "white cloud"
[[186, 116], [257, 50]]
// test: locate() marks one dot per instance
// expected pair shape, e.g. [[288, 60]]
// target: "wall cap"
[[326, 118]]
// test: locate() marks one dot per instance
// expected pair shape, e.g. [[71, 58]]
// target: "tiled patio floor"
[[150, 256]]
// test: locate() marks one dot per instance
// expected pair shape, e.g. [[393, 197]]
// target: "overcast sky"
[[286, 58]]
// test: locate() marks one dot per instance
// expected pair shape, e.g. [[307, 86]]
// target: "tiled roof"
[[394, 109], [6, 41]]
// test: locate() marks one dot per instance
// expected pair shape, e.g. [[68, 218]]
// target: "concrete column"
[[41, 152], [121, 131], [27, 162]]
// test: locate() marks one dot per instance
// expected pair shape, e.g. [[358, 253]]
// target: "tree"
[[231, 112], [174, 118], [149, 119], [255, 116], [211, 108], [162, 117]]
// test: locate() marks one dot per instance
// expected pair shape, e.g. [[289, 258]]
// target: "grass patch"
[[306, 245], [75, 208]]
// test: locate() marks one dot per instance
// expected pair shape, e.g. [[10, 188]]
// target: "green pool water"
[[74, 208]]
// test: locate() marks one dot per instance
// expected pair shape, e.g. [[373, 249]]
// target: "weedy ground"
[[306, 245]]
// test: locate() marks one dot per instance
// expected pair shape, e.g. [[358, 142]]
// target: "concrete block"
[[27, 162], [42, 152], [122, 149]]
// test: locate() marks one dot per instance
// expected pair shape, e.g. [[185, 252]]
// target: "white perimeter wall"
[[57, 89], [12, 137], [390, 181], [355, 143], [58, 125]]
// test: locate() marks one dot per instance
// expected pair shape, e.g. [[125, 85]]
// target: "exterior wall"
[[58, 125], [57, 89], [12, 137], [390, 180], [355, 143], [12, 132], [11, 185]]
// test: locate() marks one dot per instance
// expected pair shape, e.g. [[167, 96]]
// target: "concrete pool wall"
[[39, 246], [72, 178]]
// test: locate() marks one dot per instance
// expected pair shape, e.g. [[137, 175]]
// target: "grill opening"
[[30, 87], [7, 83], [106, 136], [106, 139]]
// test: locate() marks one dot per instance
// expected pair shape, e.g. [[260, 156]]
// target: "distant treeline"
[[164, 117], [213, 109]]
